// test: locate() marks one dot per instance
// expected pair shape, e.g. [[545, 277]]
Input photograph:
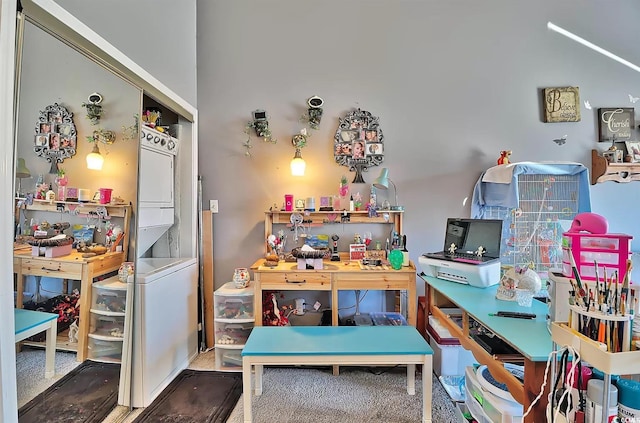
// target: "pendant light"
[[95, 159], [298, 164]]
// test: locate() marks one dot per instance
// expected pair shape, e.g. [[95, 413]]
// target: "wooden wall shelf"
[[602, 171]]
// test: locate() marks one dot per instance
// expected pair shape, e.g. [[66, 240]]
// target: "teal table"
[[29, 323], [531, 338], [336, 345]]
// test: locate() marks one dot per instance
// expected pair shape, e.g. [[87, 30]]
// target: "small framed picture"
[[42, 140], [45, 127], [613, 156], [343, 149], [616, 124], [55, 117], [300, 203], [350, 135], [633, 149], [67, 142], [54, 141], [358, 150], [370, 135], [375, 148], [326, 203], [64, 129]]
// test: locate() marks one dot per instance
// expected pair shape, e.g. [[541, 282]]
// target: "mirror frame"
[[55, 20]]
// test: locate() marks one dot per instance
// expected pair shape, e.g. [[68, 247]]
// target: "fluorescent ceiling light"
[[592, 46]]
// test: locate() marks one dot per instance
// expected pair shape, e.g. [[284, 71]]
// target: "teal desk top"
[[27, 319], [531, 337], [335, 340]]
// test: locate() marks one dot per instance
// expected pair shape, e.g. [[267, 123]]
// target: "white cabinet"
[[107, 320], [233, 322]]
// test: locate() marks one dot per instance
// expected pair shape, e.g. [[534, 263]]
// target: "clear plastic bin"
[[228, 359], [107, 326], [109, 295], [232, 333], [233, 303], [104, 350]]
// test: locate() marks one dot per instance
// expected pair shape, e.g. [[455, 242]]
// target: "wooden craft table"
[[29, 323], [334, 276], [529, 337], [72, 266], [341, 345]]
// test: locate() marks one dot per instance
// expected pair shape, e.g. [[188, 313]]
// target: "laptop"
[[468, 235]]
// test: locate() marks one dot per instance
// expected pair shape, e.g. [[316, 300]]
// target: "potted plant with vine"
[[61, 178]]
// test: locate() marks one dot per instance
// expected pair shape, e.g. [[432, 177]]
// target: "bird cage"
[[544, 208]]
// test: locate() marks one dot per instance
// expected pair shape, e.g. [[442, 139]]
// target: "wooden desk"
[[335, 276], [346, 345], [531, 338], [72, 266], [29, 323]]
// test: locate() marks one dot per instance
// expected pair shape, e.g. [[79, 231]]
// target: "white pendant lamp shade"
[[95, 159]]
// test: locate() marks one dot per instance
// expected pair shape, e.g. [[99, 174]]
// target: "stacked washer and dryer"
[[165, 321]]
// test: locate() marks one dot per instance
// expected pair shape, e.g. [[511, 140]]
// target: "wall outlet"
[[213, 206]]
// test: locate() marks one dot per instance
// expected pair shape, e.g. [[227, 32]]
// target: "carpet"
[[358, 394], [195, 397], [87, 394]]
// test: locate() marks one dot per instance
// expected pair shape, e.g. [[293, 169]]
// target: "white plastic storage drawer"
[[104, 350], [463, 414], [228, 359], [233, 303], [492, 408], [109, 295], [232, 333], [107, 326]]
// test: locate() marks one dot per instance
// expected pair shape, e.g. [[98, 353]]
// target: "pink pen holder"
[[105, 195]]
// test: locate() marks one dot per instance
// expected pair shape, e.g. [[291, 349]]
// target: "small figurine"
[[480, 251], [452, 249], [504, 157], [73, 332]]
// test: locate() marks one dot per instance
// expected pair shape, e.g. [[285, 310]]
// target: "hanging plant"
[[93, 108]]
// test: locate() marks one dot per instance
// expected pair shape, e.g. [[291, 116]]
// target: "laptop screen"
[[469, 234]]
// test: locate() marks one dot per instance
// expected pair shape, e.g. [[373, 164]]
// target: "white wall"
[[452, 82]]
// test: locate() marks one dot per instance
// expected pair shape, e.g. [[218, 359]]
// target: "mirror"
[[89, 327], [126, 91], [359, 142]]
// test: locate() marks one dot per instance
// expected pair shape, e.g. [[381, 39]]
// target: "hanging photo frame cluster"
[[55, 135], [359, 143]]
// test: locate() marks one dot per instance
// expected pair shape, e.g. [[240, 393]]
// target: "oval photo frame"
[[55, 135], [359, 142]]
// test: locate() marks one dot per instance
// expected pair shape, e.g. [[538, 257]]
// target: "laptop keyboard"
[[462, 258]]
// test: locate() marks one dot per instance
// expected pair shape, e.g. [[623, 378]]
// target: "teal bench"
[[29, 323], [336, 345]]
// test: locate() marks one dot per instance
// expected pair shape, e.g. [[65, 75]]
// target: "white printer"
[[471, 253]]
